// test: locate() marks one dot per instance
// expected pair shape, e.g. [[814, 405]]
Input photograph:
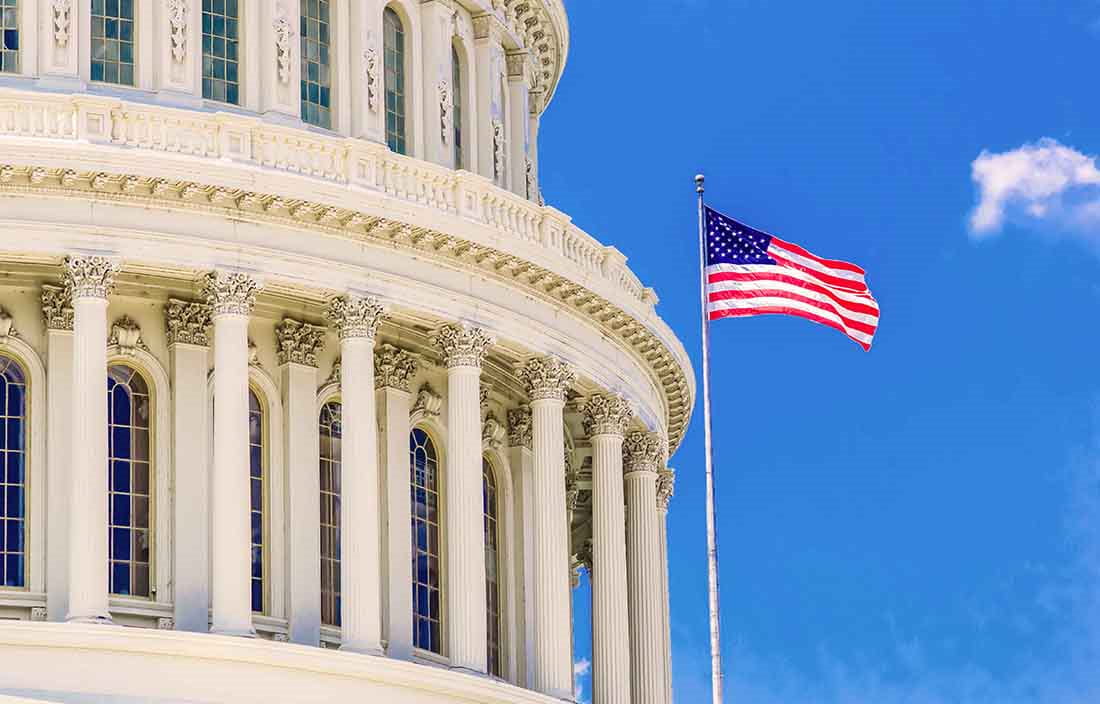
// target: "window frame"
[[135, 20], [17, 361], [489, 470], [408, 90], [433, 436], [332, 84], [265, 502], [326, 401], [20, 39], [459, 133], [239, 61]]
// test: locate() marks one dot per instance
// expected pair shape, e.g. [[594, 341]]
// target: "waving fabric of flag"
[[753, 273]]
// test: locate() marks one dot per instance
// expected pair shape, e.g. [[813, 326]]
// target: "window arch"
[[113, 41], [427, 582], [492, 568], [221, 62], [13, 475], [316, 69], [456, 108], [257, 466], [394, 65], [330, 461], [9, 36], [129, 439]]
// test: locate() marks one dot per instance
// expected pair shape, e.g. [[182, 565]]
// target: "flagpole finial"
[[699, 181]]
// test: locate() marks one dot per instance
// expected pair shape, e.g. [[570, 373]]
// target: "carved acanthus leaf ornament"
[[186, 322], [284, 32], [393, 368], [547, 378], [298, 342], [666, 487], [177, 24], [356, 316], [230, 292], [519, 427], [90, 277], [463, 345], [57, 307], [61, 21], [643, 452], [606, 414]]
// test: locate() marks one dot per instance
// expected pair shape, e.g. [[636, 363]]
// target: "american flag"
[[750, 272]]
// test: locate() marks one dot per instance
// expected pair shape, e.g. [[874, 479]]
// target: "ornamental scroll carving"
[[463, 345], [519, 427], [532, 187], [90, 277], [428, 402], [7, 325], [493, 432], [57, 307], [298, 342], [187, 322], [547, 378], [666, 485], [446, 103], [370, 71], [230, 292], [177, 24], [393, 368], [284, 33], [126, 333], [61, 10], [606, 414], [642, 452], [355, 316], [498, 149]]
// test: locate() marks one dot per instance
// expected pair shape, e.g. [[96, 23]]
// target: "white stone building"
[[370, 405]]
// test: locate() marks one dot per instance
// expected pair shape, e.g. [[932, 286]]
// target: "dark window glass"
[[113, 41], [220, 51], [492, 568], [330, 513], [456, 109], [424, 485], [257, 462], [13, 475], [128, 481], [9, 38], [316, 70], [394, 59]]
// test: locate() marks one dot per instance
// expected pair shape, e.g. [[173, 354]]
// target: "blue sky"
[[919, 524]]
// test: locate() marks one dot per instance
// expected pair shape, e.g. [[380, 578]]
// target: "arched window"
[[394, 59], [13, 474], [221, 61], [331, 432], [257, 463], [456, 109], [9, 36], [492, 567], [113, 41], [129, 411], [424, 475], [316, 79]]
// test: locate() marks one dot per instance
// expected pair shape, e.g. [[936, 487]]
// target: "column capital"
[[489, 26], [547, 378], [356, 316], [57, 307], [606, 414], [666, 485], [642, 452], [394, 368], [90, 277], [298, 342], [519, 427], [230, 292], [463, 345], [186, 322]]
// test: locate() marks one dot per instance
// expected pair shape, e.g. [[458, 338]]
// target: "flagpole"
[[712, 527]]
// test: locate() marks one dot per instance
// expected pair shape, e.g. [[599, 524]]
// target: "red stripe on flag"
[[831, 263], [834, 281], [866, 328], [777, 310], [854, 306]]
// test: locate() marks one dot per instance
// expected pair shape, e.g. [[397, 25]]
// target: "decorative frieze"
[[166, 623], [463, 345], [643, 452], [606, 414], [547, 378], [428, 402], [57, 307], [39, 613], [393, 368], [284, 33], [186, 322], [230, 292], [666, 485], [493, 432], [519, 427], [61, 21], [355, 316], [298, 342], [90, 277], [177, 25], [126, 334]]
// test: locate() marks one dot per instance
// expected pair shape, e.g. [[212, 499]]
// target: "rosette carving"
[[298, 342], [187, 322], [606, 414], [666, 485], [230, 292], [90, 277], [355, 316], [642, 452], [393, 368], [463, 345], [547, 378], [519, 427], [57, 307]]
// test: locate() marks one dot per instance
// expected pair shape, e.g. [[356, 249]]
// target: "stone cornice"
[[654, 347], [298, 342]]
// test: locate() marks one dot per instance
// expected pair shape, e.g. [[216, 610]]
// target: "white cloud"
[[581, 670], [1042, 182]]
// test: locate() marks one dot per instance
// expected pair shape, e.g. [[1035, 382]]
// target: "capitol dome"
[[371, 405]]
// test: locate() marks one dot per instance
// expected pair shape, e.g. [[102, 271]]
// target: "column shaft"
[[59, 390], [666, 624], [230, 483], [644, 589], [465, 526], [399, 626], [610, 625], [88, 575], [303, 448], [360, 563]]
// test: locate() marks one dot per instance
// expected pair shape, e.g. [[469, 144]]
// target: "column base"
[[234, 632], [93, 620], [470, 671], [374, 651]]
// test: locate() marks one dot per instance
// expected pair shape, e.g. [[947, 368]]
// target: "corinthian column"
[[642, 455], [605, 421], [357, 319], [231, 296], [547, 381], [89, 279], [666, 480], [463, 351]]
